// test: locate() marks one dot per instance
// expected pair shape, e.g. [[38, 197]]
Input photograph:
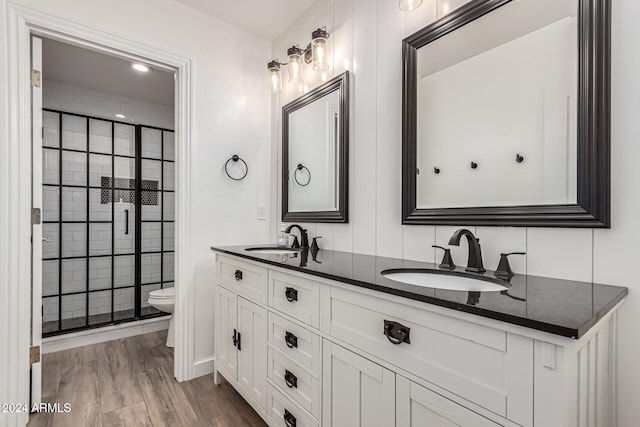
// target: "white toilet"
[[164, 300]]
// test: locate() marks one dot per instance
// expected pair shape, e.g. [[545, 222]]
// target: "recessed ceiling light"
[[140, 67], [120, 116]]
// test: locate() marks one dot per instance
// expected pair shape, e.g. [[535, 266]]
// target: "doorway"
[[103, 183]]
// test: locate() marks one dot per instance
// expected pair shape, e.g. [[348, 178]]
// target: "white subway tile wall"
[[156, 236], [74, 240], [74, 168], [50, 273], [76, 99], [152, 143], [74, 276], [50, 204], [50, 167], [99, 166], [74, 203], [99, 273], [151, 267], [99, 239], [100, 136], [51, 131], [151, 236], [124, 271]]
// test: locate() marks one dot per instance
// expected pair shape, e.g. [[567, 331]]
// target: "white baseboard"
[[203, 367], [108, 333]]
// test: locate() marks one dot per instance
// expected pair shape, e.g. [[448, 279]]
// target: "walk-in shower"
[[108, 220]]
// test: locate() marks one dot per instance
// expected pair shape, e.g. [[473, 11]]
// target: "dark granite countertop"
[[562, 307]]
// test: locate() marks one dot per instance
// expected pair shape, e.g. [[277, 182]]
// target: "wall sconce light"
[[294, 54], [316, 53], [274, 72], [319, 49], [409, 5]]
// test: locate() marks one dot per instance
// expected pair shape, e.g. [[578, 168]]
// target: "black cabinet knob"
[[289, 419], [238, 275], [290, 339], [396, 332], [291, 294], [290, 379]]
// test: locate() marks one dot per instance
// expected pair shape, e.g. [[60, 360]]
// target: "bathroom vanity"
[[323, 338]]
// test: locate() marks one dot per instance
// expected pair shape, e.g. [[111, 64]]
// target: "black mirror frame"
[[339, 83], [592, 209]]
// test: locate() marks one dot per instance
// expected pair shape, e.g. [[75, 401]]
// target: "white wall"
[[230, 114], [366, 38]]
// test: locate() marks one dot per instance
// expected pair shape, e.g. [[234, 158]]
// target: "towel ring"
[[295, 174], [236, 158]]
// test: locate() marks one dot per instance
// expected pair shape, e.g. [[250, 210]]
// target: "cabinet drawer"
[[298, 383], [483, 365], [281, 408], [296, 297], [296, 342], [244, 278], [417, 406]]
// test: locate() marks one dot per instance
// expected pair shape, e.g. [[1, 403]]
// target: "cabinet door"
[[227, 362], [417, 406], [356, 391], [252, 350]]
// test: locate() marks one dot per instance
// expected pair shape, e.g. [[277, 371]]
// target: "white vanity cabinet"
[[319, 352], [241, 344]]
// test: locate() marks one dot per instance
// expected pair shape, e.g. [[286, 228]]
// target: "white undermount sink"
[[272, 250], [440, 280]]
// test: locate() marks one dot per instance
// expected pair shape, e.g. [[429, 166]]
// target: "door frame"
[[15, 183]]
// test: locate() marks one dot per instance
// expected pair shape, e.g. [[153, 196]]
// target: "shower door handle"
[[126, 221]]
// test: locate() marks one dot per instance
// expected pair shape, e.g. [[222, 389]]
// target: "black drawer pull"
[[289, 419], [236, 340], [396, 332], [291, 294], [290, 379], [290, 339], [238, 275]]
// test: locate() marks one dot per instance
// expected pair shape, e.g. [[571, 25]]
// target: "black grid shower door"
[[108, 215]]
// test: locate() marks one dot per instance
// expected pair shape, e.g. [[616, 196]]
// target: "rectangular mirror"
[[506, 115], [315, 154]]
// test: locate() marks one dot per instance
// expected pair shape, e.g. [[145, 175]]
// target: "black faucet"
[[304, 237], [474, 262]]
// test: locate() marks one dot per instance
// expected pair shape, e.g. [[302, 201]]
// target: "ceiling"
[[264, 18], [82, 67]]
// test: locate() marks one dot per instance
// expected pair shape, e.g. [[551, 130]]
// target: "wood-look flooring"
[[129, 382]]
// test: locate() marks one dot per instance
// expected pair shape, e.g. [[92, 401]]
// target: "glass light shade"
[[319, 52], [319, 49], [409, 5], [294, 54], [274, 73], [276, 81]]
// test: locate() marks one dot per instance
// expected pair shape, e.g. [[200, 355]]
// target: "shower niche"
[[108, 216]]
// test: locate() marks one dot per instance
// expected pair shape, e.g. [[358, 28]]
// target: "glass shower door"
[[108, 215]]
